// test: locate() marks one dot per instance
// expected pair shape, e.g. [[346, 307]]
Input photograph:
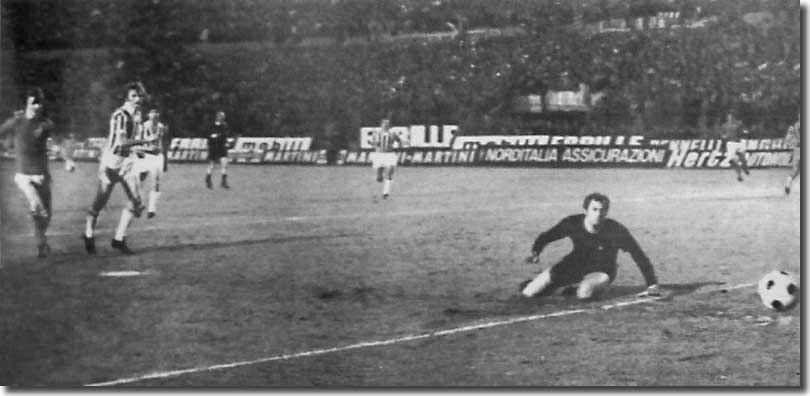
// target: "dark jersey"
[[30, 142], [218, 140], [732, 131], [597, 251]]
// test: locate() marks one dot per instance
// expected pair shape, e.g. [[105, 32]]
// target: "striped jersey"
[[383, 140], [793, 137], [122, 127], [152, 132]]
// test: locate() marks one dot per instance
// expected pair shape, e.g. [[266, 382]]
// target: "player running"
[[591, 266], [793, 139], [218, 150], [31, 129], [733, 133], [116, 165], [151, 156], [383, 159]]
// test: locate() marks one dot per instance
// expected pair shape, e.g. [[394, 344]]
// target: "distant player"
[[793, 139], [151, 156], [591, 266], [733, 133], [31, 130], [218, 149], [383, 159], [117, 165]]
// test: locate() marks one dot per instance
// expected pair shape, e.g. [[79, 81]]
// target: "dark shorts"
[[570, 270], [215, 155]]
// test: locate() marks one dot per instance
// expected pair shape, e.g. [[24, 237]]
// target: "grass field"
[[303, 276]]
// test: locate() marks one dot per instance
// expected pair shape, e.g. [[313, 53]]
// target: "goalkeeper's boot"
[[208, 181], [121, 246]]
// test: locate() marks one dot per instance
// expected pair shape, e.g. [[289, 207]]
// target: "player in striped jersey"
[[383, 159], [152, 163], [31, 131], [116, 166], [793, 139]]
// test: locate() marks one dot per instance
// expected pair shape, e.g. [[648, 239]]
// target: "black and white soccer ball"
[[779, 290]]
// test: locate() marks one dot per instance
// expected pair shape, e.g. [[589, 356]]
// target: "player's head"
[[596, 207], [154, 114], [134, 94], [386, 123], [220, 116], [34, 100]]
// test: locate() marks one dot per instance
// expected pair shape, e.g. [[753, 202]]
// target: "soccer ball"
[[778, 290]]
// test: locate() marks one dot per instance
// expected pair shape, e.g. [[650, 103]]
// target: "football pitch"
[[303, 276]]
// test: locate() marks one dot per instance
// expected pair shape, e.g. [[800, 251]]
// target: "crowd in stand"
[[675, 81]]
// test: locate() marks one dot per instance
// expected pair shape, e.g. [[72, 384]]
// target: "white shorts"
[[733, 148], [150, 163], [29, 184], [383, 160]]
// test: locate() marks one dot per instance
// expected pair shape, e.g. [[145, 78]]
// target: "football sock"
[[40, 225], [386, 186], [123, 224], [537, 284], [90, 225], [153, 198]]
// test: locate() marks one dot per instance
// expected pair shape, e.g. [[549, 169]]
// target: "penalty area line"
[[390, 341]]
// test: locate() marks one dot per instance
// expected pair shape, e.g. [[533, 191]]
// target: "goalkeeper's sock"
[[538, 284]]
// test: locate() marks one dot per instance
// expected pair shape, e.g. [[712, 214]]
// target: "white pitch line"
[[391, 341], [254, 220]]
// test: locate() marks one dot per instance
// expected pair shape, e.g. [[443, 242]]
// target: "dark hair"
[[134, 86], [598, 197], [34, 92]]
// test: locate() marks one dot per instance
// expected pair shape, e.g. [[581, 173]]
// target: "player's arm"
[[8, 126], [559, 231], [630, 245], [64, 152]]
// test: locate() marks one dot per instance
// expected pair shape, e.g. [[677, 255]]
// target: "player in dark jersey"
[[591, 266], [31, 131], [117, 165], [218, 149], [732, 134]]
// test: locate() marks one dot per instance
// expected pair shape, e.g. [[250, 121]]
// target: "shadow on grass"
[[105, 251], [520, 305]]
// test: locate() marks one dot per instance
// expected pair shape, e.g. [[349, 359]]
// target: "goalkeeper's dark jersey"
[[595, 252]]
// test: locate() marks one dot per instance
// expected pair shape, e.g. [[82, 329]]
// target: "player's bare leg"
[[743, 162], [223, 164], [105, 187], [591, 284], [387, 182], [133, 188], [735, 162], [154, 193], [793, 176], [208, 175], [537, 285], [38, 195]]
